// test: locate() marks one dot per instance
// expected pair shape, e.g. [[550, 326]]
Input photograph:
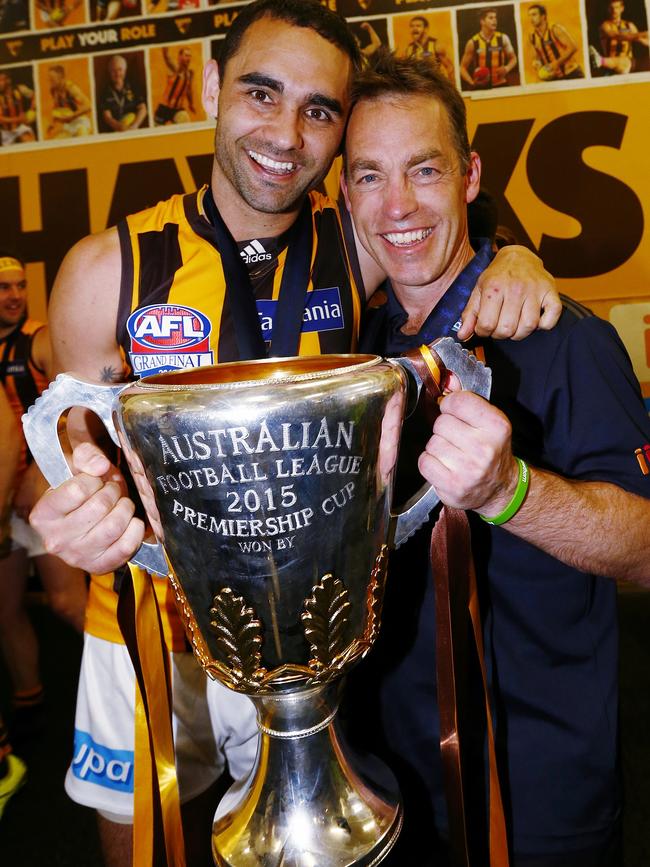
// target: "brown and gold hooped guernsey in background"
[[174, 311], [22, 379]]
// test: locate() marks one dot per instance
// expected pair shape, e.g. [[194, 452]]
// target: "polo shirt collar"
[[444, 319]]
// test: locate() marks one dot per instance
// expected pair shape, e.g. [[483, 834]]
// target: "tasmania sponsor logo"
[[322, 312], [95, 763], [254, 252], [168, 337]]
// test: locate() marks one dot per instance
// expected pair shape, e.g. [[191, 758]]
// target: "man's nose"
[[285, 129], [400, 199]]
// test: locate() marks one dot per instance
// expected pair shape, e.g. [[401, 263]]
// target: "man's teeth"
[[405, 239], [272, 165]]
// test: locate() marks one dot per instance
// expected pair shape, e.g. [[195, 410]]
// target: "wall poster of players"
[[97, 68]]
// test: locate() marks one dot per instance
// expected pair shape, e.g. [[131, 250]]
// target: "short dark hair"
[[486, 11], [386, 74], [310, 14], [542, 9], [419, 18]]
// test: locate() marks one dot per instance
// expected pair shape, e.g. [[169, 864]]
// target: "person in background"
[[13, 772], [121, 106], [177, 103], [71, 106], [423, 44], [554, 49], [25, 371], [488, 56], [617, 39], [16, 111]]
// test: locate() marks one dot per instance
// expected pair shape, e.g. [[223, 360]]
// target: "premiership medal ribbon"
[[287, 324]]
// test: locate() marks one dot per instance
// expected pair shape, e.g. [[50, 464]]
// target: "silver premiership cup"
[[271, 484]]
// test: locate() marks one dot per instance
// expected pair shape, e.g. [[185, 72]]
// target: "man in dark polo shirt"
[[550, 528], [121, 106]]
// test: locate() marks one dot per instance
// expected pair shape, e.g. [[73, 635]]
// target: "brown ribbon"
[[456, 595]]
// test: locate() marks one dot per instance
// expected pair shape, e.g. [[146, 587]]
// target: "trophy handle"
[[415, 512], [474, 376], [40, 425]]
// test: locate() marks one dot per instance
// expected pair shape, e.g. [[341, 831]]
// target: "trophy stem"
[[306, 803]]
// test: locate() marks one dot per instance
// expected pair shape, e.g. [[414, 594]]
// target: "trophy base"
[[306, 804]]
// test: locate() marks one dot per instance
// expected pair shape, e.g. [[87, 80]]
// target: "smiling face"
[[13, 298], [281, 111], [407, 192]]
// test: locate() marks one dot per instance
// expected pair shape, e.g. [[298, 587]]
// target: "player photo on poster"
[[618, 37], [426, 34], [487, 40], [66, 110], [370, 34], [14, 16], [365, 8], [553, 48], [175, 72], [50, 14], [17, 106], [120, 91], [156, 7], [111, 10]]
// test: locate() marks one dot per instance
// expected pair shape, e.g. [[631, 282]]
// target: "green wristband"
[[517, 498]]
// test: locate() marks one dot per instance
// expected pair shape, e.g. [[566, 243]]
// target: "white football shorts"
[[212, 725]]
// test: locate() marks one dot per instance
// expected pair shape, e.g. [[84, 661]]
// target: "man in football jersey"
[[110, 10], [25, 371], [71, 106], [177, 103], [422, 44], [617, 38], [16, 111], [553, 47], [280, 94], [55, 13], [488, 56]]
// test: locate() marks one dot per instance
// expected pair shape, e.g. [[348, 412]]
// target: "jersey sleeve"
[[595, 418]]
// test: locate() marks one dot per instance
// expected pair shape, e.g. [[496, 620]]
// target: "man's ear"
[[211, 88], [473, 177]]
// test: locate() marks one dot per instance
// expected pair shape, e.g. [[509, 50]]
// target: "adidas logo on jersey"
[[254, 252]]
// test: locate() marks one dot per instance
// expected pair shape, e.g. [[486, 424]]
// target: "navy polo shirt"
[[550, 630]]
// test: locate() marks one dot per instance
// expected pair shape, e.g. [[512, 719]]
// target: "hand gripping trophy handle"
[[273, 484], [41, 425]]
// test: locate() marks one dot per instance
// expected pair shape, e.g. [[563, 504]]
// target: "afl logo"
[[167, 328]]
